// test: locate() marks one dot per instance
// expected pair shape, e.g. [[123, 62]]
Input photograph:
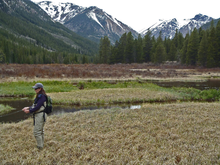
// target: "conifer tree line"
[[16, 50], [199, 47]]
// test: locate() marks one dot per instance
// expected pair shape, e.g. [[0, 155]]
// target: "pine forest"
[[199, 47]]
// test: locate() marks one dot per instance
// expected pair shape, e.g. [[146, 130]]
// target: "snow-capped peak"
[[91, 22], [59, 11], [168, 27]]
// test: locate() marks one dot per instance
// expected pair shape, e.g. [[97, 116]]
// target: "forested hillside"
[[200, 47], [28, 35]]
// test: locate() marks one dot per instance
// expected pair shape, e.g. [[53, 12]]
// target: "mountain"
[[23, 19], [168, 27], [91, 22], [208, 25]]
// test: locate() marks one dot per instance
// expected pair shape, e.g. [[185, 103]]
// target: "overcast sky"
[[141, 14]]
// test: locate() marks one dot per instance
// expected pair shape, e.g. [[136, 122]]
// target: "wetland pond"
[[17, 114]]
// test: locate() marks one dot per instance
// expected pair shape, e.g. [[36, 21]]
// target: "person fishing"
[[39, 116]]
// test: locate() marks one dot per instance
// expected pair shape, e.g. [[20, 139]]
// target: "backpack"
[[48, 109]]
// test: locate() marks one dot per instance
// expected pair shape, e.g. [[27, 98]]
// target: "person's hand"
[[26, 110]]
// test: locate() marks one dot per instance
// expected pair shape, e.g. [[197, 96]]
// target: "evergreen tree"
[[139, 50], [203, 50], [120, 49], [167, 44], [104, 50], [184, 49], [153, 50], [175, 39], [2, 56], [112, 59], [129, 58], [192, 48], [75, 59], [84, 59], [160, 53], [147, 47], [218, 42], [180, 41], [172, 52], [212, 59], [201, 32]]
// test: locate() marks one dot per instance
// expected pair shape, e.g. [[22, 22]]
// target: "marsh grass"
[[185, 133], [5, 109], [196, 94], [112, 96]]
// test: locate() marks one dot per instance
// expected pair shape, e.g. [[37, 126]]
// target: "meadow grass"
[[5, 109], [112, 96], [183, 133]]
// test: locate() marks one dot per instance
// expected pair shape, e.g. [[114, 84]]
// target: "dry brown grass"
[[112, 96], [185, 133], [26, 72]]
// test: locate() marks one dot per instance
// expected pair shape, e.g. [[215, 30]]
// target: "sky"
[[141, 14]]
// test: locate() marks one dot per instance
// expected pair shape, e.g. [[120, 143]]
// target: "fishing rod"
[[10, 113]]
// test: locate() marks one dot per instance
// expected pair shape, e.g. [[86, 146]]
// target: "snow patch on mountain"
[[93, 16], [183, 22], [60, 12]]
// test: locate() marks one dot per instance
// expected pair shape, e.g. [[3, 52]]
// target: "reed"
[[183, 133]]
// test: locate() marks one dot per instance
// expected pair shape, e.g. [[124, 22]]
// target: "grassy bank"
[[111, 92], [185, 133], [21, 88], [5, 109], [105, 93]]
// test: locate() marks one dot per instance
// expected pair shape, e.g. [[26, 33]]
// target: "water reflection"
[[18, 115], [210, 84]]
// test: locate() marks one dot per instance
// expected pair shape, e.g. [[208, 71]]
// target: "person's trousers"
[[39, 129]]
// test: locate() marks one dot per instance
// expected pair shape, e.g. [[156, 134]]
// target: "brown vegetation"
[[112, 96], [104, 71], [184, 133]]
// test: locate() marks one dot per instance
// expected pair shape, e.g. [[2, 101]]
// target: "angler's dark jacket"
[[39, 104]]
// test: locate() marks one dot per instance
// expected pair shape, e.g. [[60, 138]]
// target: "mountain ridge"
[[90, 22], [27, 19], [168, 27]]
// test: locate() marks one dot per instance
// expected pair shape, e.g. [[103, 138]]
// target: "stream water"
[[210, 84], [17, 114]]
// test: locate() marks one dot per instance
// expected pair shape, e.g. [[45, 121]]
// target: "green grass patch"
[[196, 94], [5, 109], [21, 88], [25, 88], [121, 93], [103, 85]]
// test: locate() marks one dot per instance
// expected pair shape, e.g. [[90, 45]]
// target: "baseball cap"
[[38, 85]]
